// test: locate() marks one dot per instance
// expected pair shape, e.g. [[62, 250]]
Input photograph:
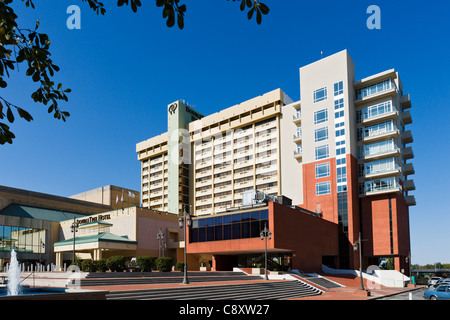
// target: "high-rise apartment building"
[[342, 151]]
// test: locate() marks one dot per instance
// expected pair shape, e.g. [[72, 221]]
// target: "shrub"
[[101, 265], [179, 266], [88, 266], [164, 264], [116, 263], [145, 263]]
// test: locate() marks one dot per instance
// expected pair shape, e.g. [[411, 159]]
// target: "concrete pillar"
[[59, 258]]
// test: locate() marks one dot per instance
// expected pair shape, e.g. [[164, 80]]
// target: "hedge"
[[179, 266], [88, 266], [145, 263], [164, 264], [116, 263]]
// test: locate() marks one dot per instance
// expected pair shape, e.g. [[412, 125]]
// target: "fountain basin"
[[46, 293]]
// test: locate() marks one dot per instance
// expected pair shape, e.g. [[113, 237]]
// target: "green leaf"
[[10, 115], [250, 13], [264, 9]]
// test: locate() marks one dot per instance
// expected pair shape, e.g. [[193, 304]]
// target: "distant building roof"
[[105, 236], [17, 210]]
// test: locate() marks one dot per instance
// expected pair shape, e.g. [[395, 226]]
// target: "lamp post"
[[160, 237], [74, 229], [185, 222], [356, 246], [41, 245], [265, 233]]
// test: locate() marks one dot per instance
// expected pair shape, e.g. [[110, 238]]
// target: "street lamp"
[[41, 245], [185, 222], [357, 245], [74, 229], [160, 237], [265, 233]]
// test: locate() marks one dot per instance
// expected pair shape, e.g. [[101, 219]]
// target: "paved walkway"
[[349, 292]]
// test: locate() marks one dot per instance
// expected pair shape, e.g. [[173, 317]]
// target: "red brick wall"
[[306, 236]]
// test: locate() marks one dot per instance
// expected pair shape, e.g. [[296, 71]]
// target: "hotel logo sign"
[[172, 108]]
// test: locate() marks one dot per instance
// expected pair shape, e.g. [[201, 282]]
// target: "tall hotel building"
[[341, 154]]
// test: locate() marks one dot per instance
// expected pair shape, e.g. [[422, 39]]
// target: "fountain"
[[14, 276], [14, 290]]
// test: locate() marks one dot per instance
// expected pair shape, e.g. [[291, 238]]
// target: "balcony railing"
[[379, 186], [374, 89]]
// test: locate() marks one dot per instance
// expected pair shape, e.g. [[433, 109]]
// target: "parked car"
[[433, 281], [441, 292], [444, 281]]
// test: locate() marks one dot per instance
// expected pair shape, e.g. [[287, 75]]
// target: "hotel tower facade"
[[342, 154]]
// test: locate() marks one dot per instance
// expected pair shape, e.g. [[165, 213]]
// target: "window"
[[320, 116], [299, 148], [322, 152], [377, 147], [338, 88], [382, 165], [299, 132], [338, 104], [323, 188], [339, 114], [340, 132], [322, 170], [341, 173], [232, 226], [374, 111], [340, 148], [320, 94], [298, 113], [376, 88], [321, 134]]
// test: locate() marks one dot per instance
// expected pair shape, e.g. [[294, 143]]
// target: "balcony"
[[405, 101], [408, 153], [406, 117], [409, 185], [297, 118], [395, 171], [381, 134], [375, 91], [407, 137], [380, 186], [408, 169], [298, 154], [410, 200], [297, 137], [380, 155]]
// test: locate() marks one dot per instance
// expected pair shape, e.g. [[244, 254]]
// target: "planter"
[[257, 270]]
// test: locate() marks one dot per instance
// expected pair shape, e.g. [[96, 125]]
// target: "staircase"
[[270, 290], [132, 278], [320, 281]]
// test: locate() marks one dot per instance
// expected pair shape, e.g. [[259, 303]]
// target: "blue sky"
[[124, 68]]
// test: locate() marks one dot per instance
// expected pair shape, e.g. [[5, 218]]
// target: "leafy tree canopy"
[[25, 45]]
